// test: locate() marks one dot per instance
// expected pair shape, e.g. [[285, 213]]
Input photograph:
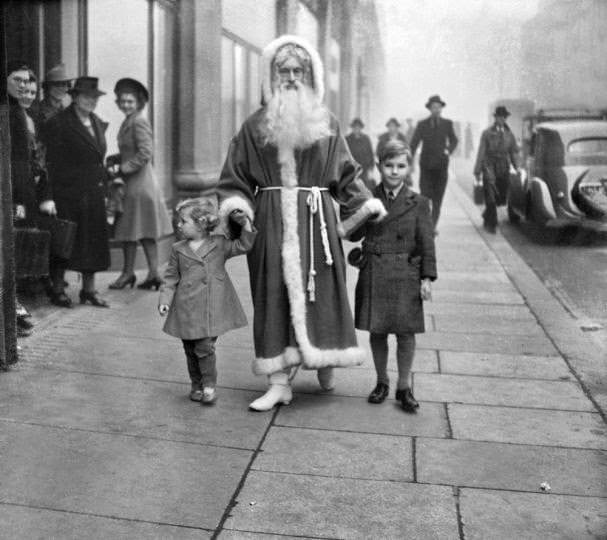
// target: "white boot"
[[326, 378], [279, 392]]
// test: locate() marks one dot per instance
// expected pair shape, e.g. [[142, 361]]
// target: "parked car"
[[566, 176]]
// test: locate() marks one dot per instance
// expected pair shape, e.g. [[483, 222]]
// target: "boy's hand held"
[[426, 290], [163, 309]]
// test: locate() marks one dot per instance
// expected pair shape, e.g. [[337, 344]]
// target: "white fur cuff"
[[235, 202], [371, 207]]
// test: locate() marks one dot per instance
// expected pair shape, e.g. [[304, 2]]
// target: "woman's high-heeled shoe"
[[122, 282], [93, 298], [151, 283]]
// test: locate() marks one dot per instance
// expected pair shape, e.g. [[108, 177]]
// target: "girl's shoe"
[[407, 401], [151, 283], [209, 396], [123, 281], [93, 298], [196, 394], [279, 392]]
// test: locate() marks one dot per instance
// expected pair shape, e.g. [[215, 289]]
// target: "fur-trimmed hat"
[[268, 55]]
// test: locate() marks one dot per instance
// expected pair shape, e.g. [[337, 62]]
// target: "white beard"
[[295, 118]]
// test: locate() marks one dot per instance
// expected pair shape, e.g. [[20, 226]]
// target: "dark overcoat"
[[438, 142], [202, 299], [78, 179], [398, 253], [25, 190]]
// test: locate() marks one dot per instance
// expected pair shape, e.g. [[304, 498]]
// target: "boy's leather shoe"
[[408, 402], [196, 394], [379, 394]]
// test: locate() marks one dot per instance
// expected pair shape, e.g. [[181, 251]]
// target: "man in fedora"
[[497, 151], [362, 151], [55, 86], [438, 142], [393, 134]]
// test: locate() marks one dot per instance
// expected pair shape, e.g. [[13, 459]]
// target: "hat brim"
[[502, 114], [128, 85], [440, 102], [75, 91]]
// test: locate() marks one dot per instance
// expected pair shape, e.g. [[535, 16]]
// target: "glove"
[[48, 207], [238, 216]]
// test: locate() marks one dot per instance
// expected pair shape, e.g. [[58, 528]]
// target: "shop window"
[[240, 84]]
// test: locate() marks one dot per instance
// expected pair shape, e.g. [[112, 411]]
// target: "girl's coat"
[[202, 299]]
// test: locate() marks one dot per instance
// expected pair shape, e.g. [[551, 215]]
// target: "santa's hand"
[[48, 207], [426, 290], [19, 211], [238, 216], [163, 309]]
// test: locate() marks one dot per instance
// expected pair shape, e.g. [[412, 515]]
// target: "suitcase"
[[63, 235], [32, 250], [478, 193]]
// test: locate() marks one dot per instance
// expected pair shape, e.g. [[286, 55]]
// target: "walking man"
[[438, 142], [362, 151], [496, 152], [284, 169], [393, 134]]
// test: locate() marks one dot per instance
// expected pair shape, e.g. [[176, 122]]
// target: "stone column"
[[199, 152]]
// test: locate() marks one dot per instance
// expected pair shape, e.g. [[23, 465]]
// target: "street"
[[571, 264], [99, 439]]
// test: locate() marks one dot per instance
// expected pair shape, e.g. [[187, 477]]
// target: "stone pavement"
[[99, 440]]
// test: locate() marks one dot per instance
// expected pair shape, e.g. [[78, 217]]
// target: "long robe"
[[301, 309]]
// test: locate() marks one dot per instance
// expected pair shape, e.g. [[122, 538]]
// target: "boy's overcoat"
[[397, 253], [202, 299]]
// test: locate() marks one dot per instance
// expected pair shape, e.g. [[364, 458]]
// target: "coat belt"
[[314, 202]]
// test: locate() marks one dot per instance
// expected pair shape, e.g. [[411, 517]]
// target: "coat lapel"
[[405, 201], [84, 133], [198, 255]]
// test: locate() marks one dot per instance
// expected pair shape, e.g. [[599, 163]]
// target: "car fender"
[[542, 208]]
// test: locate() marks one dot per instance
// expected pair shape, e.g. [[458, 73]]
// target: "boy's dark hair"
[[203, 211], [394, 149]]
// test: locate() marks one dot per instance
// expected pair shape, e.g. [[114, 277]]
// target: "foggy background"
[[473, 52]]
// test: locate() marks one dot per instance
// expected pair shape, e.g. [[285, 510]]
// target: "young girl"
[[397, 264], [197, 293]]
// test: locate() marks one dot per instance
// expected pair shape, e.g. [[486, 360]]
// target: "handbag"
[[32, 249], [62, 235], [478, 192]]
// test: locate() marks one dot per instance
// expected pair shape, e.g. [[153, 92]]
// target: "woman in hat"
[[144, 218], [76, 149]]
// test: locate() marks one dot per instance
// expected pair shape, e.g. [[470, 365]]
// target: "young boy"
[[397, 264]]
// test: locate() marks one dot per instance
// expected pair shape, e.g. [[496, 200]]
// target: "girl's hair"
[[202, 210], [395, 149]]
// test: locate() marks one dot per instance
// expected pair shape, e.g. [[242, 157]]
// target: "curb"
[[585, 358]]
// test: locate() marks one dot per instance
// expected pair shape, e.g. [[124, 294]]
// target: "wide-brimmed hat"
[[357, 122], [86, 85], [393, 121], [131, 85], [501, 111], [57, 74], [435, 99]]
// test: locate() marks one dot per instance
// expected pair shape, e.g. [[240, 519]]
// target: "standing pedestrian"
[[410, 130], [468, 141], [285, 168], [362, 151], [397, 265], [438, 142], [497, 152], [55, 86], [198, 295], [393, 134], [144, 217], [76, 147]]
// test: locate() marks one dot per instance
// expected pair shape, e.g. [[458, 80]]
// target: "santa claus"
[[288, 169]]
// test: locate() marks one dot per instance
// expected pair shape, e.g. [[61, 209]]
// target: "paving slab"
[[117, 476], [507, 311], [338, 413], [505, 365], [244, 535], [477, 297], [527, 516], [448, 283], [537, 344], [343, 508], [485, 277], [487, 324], [129, 406], [337, 454], [564, 395], [528, 426], [41, 524], [511, 466]]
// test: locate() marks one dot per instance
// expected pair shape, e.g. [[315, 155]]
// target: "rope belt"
[[314, 202]]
